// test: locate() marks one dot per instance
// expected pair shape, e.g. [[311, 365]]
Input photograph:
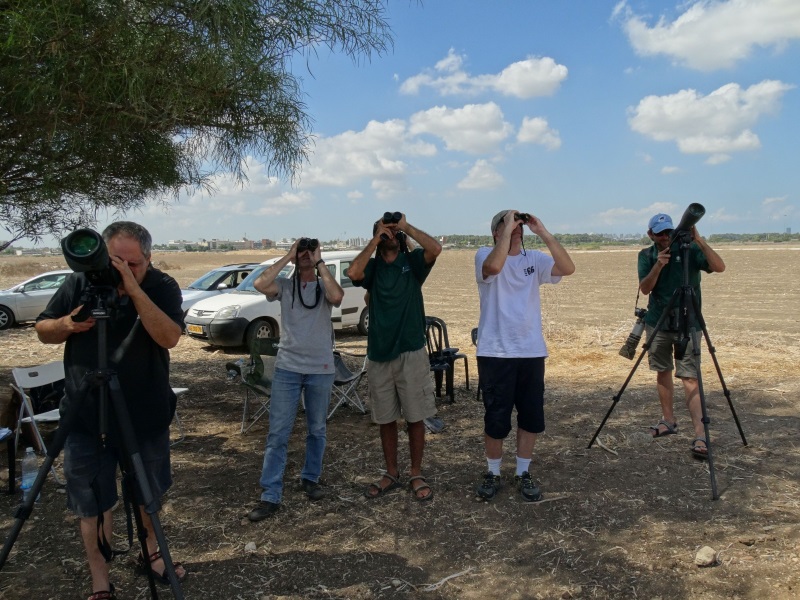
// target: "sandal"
[[375, 490], [104, 595], [142, 567], [416, 490], [699, 451], [670, 429]]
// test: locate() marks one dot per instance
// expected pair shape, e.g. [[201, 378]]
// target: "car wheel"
[[6, 318], [259, 329], [363, 322]]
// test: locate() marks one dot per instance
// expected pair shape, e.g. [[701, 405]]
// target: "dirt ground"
[[623, 519]]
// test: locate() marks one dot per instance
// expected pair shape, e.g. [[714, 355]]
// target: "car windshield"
[[247, 284], [208, 281]]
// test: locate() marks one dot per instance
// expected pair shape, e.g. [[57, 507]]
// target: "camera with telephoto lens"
[[628, 349], [309, 244], [86, 252], [524, 217]]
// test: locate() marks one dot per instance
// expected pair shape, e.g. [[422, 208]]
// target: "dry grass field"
[[623, 519]]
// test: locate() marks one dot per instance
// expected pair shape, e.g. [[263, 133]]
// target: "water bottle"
[[30, 468]]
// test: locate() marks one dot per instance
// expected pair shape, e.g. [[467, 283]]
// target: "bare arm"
[[359, 263], [715, 262], [333, 291], [563, 263], [265, 283], [497, 257], [56, 331], [164, 331], [650, 280], [431, 247]]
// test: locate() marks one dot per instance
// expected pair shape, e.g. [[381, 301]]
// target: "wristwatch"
[[316, 264]]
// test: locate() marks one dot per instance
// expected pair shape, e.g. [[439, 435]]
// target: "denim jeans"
[[287, 387]]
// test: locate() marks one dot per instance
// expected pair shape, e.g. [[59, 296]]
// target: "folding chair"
[[27, 379], [345, 385], [256, 376], [181, 435], [442, 356]]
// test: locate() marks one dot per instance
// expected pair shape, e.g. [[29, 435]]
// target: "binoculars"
[[309, 244], [392, 217], [524, 217]]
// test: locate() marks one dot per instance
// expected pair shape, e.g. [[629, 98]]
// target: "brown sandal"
[[104, 595], [141, 568]]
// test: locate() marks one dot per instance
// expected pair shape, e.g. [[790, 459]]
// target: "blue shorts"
[[91, 472], [508, 383]]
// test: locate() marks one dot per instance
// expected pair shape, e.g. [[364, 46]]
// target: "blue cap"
[[659, 223]]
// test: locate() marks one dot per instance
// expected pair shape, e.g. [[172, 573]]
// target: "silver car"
[[26, 300], [215, 282]]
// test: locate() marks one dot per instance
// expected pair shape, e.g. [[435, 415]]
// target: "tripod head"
[[694, 212]]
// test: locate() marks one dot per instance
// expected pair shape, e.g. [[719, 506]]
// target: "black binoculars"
[[524, 217], [307, 244], [389, 217]]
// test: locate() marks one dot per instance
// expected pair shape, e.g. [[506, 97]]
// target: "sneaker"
[[488, 488], [312, 489], [527, 488], [263, 510]]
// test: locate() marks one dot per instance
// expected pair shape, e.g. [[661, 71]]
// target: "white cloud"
[[670, 170], [377, 153], [482, 175], [715, 124], [718, 159], [535, 130], [777, 208], [475, 128], [529, 78], [723, 216], [635, 216], [712, 34]]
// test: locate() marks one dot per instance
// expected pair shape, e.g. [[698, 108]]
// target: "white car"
[[26, 300], [235, 318], [216, 281]]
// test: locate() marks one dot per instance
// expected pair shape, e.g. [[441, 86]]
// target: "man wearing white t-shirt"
[[511, 347]]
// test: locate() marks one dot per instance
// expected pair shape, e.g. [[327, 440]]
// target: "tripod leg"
[[645, 348], [619, 394], [713, 352], [130, 450], [705, 419]]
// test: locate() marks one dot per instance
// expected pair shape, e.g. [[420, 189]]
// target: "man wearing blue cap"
[[660, 274]]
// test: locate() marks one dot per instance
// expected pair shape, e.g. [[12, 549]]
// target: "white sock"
[[522, 465], [494, 465]]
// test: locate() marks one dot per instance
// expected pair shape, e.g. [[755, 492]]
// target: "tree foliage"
[[105, 104]]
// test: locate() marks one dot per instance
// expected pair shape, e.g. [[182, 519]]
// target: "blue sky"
[[593, 115]]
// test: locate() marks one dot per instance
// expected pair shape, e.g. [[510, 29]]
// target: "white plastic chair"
[[25, 379]]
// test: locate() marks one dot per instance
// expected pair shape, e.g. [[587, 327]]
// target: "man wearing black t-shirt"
[[147, 321]]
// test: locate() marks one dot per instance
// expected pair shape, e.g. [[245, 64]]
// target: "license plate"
[[198, 329]]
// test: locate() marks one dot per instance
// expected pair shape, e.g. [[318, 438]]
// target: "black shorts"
[[507, 383]]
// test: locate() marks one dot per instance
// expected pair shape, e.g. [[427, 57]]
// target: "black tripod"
[[105, 381], [688, 313]]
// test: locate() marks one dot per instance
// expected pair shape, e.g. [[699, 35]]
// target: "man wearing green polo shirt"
[[398, 369], [660, 274]]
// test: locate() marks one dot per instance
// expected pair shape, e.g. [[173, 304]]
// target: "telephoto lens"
[[628, 349]]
